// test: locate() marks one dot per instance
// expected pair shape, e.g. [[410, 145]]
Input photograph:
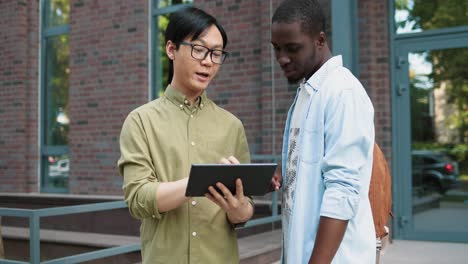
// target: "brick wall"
[[248, 87], [374, 65], [250, 79], [18, 96], [109, 78]]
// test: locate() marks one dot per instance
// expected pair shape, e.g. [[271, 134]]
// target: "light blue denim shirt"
[[335, 163]]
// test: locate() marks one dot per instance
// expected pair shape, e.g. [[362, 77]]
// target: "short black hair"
[[308, 12], [190, 22]]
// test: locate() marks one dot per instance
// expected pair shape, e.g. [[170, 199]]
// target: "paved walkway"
[[399, 252], [423, 252]]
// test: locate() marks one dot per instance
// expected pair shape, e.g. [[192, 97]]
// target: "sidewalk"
[[424, 252], [399, 252]]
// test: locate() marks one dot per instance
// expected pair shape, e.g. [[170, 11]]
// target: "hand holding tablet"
[[256, 177]]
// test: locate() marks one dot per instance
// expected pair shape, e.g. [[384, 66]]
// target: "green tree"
[[57, 73], [450, 66], [422, 127]]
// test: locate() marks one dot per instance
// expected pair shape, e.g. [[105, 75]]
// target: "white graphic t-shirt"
[[293, 158]]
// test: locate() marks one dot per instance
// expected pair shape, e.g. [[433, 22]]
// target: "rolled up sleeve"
[[140, 183], [348, 138]]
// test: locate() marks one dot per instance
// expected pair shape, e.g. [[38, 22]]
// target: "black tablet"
[[256, 177]]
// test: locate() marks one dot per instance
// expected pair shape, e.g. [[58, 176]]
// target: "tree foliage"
[[450, 66]]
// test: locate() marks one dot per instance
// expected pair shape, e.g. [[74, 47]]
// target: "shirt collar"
[[317, 79], [181, 101]]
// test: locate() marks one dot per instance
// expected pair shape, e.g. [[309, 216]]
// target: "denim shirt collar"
[[317, 79]]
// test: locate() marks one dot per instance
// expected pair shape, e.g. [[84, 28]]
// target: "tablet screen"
[[256, 177]]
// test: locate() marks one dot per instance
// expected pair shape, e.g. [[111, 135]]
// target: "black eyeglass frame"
[[208, 50]]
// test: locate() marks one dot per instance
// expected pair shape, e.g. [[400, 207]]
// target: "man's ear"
[[170, 49], [321, 40]]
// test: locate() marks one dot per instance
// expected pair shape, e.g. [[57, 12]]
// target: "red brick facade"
[[109, 78], [109, 43], [374, 66], [251, 81], [19, 23]]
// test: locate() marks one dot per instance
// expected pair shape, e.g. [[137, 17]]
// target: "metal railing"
[[275, 216], [35, 215]]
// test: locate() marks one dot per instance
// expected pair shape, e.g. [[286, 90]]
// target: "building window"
[[161, 10], [55, 70], [417, 15]]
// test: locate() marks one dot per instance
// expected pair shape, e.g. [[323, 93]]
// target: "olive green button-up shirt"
[[158, 143]]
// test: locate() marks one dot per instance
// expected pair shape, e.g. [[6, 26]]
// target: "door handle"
[[401, 89]]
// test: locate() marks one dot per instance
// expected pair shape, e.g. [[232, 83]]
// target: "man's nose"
[[207, 60], [283, 59]]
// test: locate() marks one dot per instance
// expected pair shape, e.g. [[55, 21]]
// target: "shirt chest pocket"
[[311, 146], [312, 138]]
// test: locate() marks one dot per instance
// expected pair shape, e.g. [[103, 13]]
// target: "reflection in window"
[[161, 62], [56, 91], [55, 104], [57, 169], [439, 119], [421, 86], [57, 13], [439, 95], [420, 15], [166, 3]]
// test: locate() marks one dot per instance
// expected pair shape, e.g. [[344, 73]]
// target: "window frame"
[[156, 69], [44, 149]]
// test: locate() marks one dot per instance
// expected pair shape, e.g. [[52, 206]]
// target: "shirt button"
[[194, 203], [181, 106], [193, 143], [201, 105], [191, 116], [185, 101], [153, 216], [194, 233]]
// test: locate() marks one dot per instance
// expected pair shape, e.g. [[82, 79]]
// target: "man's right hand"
[[276, 180]]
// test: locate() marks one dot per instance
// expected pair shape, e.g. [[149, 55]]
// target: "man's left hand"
[[237, 207]]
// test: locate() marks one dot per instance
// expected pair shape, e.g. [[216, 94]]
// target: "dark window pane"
[[420, 15], [439, 99], [56, 171], [162, 64], [166, 3], [57, 13], [56, 91], [429, 161]]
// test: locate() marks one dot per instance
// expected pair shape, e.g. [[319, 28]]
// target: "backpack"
[[380, 192]]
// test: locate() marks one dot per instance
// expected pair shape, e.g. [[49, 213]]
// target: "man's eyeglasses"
[[199, 52]]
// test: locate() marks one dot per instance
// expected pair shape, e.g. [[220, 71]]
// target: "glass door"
[[431, 138]]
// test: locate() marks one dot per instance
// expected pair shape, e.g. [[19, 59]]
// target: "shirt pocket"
[[311, 146]]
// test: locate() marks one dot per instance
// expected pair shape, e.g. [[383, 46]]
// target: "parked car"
[[59, 168], [434, 171]]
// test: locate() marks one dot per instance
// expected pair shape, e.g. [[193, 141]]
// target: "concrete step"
[[262, 248], [68, 237], [58, 244]]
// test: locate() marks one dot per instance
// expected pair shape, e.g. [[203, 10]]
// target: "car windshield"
[[431, 157], [442, 157]]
